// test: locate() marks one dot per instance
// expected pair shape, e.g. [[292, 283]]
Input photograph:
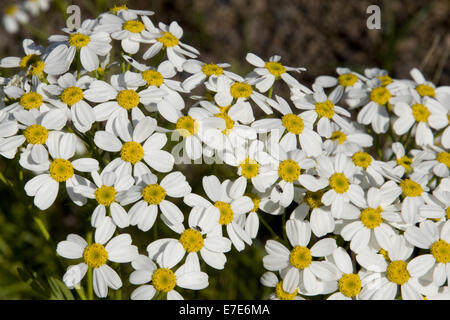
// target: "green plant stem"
[[269, 95], [268, 227], [89, 272], [42, 228], [81, 293]]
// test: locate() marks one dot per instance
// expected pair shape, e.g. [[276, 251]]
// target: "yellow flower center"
[[249, 168], [133, 26], [229, 123], [411, 188], [293, 123], [105, 195], [300, 257], [116, 8], [385, 80], [164, 280], [405, 162], [385, 254], [153, 194], [447, 213], [441, 251], [325, 109], [192, 240], [371, 217], [187, 126], [153, 78], [36, 134], [256, 200], [397, 272], [72, 95], [339, 136], [79, 40], [61, 170], [347, 79], [168, 40], [241, 90], [289, 170], [380, 95], [128, 99], [11, 10], [211, 69], [226, 213], [444, 157], [339, 182], [132, 152], [31, 100], [425, 90], [95, 255], [275, 68], [362, 159], [34, 63], [420, 112], [314, 199], [283, 295], [349, 285]]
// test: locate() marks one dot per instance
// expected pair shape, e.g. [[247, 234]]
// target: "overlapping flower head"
[[356, 168]]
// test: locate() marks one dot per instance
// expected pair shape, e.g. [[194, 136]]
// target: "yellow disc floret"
[[105, 195], [425, 90], [339, 136], [31, 100], [275, 68], [133, 26], [411, 188], [397, 273], [72, 95], [289, 170], [441, 251], [314, 199], [226, 213], [406, 163], [325, 109], [249, 168], [444, 157], [153, 194], [164, 280], [300, 257], [385, 80], [371, 218], [385, 254], [339, 182], [117, 8], [95, 255], [347, 79], [380, 95], [153, 78], [283, 295], [241, 90], [79, 40], [132, 152], [256, 200], [362, 159], [168, 40], [32, 63], [191, 240], [420, 112], [61, 170], [229, 123], [293, 123], [349, 285], [187, 126], [128, 99], [36, 134], [210, 69]]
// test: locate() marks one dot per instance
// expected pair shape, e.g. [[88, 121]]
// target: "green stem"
[[80, 292], [268, 227], [89, 272], [269, 95], [42, 228]]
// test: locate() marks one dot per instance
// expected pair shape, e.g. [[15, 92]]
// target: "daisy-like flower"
[[371, 169], [31, 63], [319, 105], [427, 88], [36, 128], [295, 126], [228, 198], [107, 190], [36, 6], [167, 37], [33, 97], [139, 143], [202, 237], [285, 289], [14, 15], [414, 192], [44, 187], [201, 71], [345, 141], [373, 221], [436, 238], [150, 197], [70, 92], [96, 256], [117, 8], [85, 42], [300, 259], [268, 72], [163, 280], [339, 172], [388, 276], [405, 164], [436, 160], [436, 207]]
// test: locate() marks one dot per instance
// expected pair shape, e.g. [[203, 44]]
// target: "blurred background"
[[318, 35]]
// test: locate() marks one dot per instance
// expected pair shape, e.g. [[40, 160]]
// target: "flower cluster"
[[356, 167], [17, 14]]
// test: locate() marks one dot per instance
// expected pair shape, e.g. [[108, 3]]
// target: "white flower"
[[13, 15], [346, 141], [36, 6], [33, 97], [96, 255], [285, 289], [31, 63]]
